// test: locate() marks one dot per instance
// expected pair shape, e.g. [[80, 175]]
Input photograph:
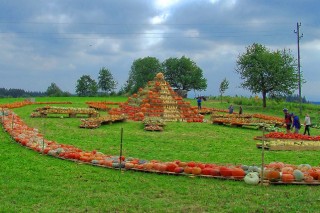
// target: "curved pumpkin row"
[[33, 139]]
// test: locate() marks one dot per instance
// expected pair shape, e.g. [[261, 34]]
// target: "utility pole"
[[299, 72]]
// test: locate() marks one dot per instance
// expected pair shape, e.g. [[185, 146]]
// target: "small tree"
[[86, 86], [54, 91], [106, 81], [224, 85]]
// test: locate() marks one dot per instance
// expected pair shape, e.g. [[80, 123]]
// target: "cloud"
[[58, 41]]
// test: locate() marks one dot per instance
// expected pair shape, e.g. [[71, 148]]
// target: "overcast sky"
[[58, 41]]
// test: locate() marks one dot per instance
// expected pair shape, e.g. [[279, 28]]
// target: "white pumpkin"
[[252, 178]]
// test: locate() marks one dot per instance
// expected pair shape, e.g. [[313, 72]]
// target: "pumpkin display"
[[32, 139]]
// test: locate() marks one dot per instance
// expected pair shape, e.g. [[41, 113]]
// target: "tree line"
[[181, 73], [16, 93], [272, 74]]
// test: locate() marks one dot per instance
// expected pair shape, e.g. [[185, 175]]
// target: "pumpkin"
[[308, 178], [287, 178], [313, 173], [129, 165], [191, 164], [148, 166], [298, 175], [238, 173], [178, 170], [287, 170], [207, 171], [273, 175], [188, 169], [251, 178], [171, 167], [182, 164], [196, 170], [225, 171]]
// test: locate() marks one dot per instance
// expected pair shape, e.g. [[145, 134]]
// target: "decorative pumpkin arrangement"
[[275, 172], [158, 99], [72, 112]]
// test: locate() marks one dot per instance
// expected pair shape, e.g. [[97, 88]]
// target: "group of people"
[[292, 121], [230, 109]]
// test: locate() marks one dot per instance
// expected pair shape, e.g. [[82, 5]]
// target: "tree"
[[184, 74], [86, 86], [224, 85], [54, 91], [106, 81], [267, 72], [142, 71]]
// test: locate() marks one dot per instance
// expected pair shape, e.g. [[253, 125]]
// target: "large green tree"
[[106, 81], [142, 71], [184, 74], [267, 72], [86, 86]]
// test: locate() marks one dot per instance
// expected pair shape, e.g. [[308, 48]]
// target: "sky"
[[58, 41]]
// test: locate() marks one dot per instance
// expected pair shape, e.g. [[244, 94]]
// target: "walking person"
[[307, 124], [240, 110], [230, 108], [296, 123], [199, 100], [287, 120]]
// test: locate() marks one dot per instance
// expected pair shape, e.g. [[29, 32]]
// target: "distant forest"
[[18, 93]]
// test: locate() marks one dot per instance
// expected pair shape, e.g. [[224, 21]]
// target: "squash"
[[298, 175], [273, 175], [287, 178], [238, 173], [196, 170], [251, 178]]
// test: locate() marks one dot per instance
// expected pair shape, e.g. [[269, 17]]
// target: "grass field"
[[31, 182]]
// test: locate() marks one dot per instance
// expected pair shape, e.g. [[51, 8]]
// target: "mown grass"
[[31, 182]]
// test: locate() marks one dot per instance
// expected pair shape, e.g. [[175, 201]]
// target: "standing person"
[[230, 109], [199, 100], [240, 110], [287, 119], [307, 124], [296, 123]]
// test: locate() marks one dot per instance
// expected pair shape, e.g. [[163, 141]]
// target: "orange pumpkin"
[[287, 178]]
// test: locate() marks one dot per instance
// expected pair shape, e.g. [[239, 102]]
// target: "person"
[[295, 123], [307, 124], [240, 110], [287, 120], [199, 100], [230, 109]]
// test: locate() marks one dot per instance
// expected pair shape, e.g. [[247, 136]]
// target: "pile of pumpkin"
[[91, 123], [294, 136], [274, 172], [43, 111]]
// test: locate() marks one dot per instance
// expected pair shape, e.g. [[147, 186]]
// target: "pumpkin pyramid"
[[158, 99]]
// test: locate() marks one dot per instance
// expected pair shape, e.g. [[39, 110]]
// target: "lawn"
[[32, 182]]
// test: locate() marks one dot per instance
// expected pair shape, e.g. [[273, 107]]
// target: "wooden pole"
[[262, 158], [121, 139]]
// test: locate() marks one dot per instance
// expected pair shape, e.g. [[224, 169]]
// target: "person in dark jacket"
[[287, 120], [295, 123]]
